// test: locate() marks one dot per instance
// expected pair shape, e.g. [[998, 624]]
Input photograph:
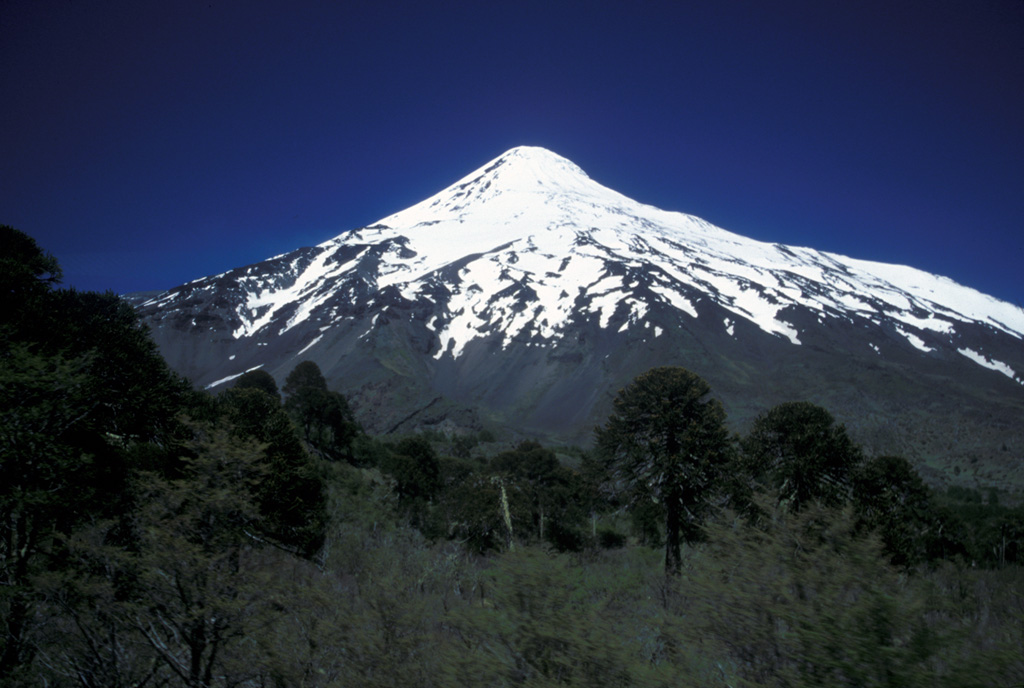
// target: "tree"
[[21, 256], [27, 274], [552, 492], [291, 495], [199, 589], [46, 482], [323, 416], [81, 383], [665, 438], [306, 375], [259, 379], [546, 623], [416, 469], [891, 497], [804, 600], [141, 396], [797, 449]]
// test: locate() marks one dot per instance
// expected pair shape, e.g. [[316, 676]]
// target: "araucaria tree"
[[667, 441], [798, 449]]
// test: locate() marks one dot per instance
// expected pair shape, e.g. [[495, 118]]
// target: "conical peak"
[[523, 177], [528, 169], [536, 162]]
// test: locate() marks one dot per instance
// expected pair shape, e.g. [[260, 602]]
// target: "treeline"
[[156, 535], [666, 449]]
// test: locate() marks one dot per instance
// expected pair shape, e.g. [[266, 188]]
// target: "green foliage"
[[323, 417], [805, 601], [259, 379], [647, 519], [305, 375], [551, 493], [462, 445], [415, 466], [140, 396], [544, 623], [291, 494], [197, 590], [23, 264], [610, 539], [367, 452], [666, 441], [83, 607], [798, 450], [175, 604], [416, 470], [473, 513], [27, 274], [454, 471], [978, 531], [43, 469], [891, 498], [80, 384]]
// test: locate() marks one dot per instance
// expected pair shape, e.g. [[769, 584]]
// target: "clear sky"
[[147, 143]]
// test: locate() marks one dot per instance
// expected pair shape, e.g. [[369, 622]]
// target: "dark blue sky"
[[146, 144]]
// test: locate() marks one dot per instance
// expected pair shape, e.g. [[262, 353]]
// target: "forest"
[[157, 535]]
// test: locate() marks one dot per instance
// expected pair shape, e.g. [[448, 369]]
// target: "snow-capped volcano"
[[539, 223], [528, 252]]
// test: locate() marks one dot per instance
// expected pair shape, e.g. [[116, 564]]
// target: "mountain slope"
[[529, 293]]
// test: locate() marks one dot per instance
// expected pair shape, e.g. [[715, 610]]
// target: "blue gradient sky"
[[146, 144]]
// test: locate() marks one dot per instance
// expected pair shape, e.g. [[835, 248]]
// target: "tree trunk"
[[14, 645], [673, 522], [673, 513]]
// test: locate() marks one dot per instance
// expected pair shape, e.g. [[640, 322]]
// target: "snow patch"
[[229, 378], [916, 341], [310, 345], [675, 299], [991, 364]]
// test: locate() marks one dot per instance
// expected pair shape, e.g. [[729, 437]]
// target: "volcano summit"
[[525, 294]]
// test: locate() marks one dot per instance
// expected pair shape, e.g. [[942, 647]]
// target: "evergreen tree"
[[798, 450], [416, 470], [323, 417], [666, 439], [259, 379], [891, 498], [478, 511], [291, 495]]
